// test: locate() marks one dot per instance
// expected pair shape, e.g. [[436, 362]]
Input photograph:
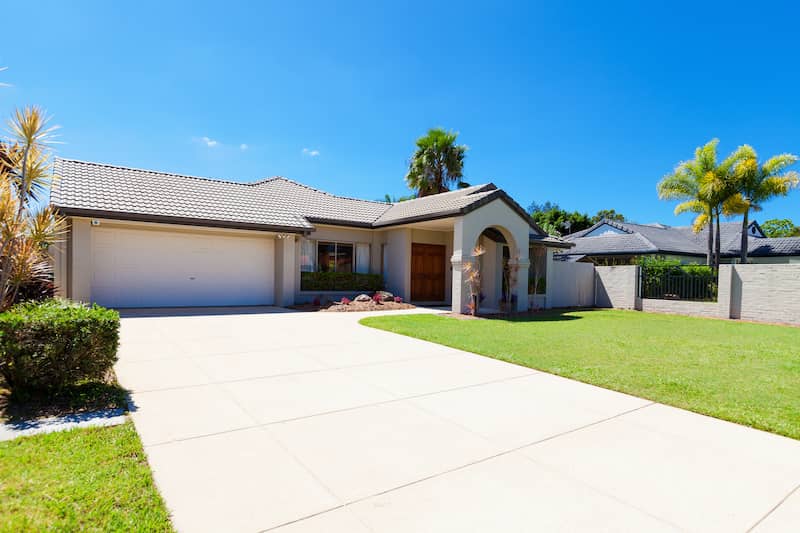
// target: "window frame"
[[353, 244]]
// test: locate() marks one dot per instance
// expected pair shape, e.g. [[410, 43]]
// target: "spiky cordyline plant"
[[472, 275], [26, 229], [510, 273]]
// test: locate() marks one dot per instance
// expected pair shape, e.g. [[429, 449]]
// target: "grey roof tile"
[[82, 187], [659, 238], [441, 204]]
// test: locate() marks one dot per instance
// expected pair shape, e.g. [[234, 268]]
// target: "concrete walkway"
[[309, 422]]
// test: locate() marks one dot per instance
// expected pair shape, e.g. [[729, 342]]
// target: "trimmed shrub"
[[340, 281], [55, 343]]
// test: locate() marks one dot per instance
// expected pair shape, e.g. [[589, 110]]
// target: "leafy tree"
[[705, 188], [556, 221], [392, 199], [608, 214], [437, 163], [547, 206], [780, 227], [756, 183], [26, 230]]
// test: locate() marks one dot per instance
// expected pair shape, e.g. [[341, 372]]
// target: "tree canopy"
[[556, 221], [608, 214], [780, 227], [437, 163]]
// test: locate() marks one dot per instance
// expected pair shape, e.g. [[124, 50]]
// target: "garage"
[[158, 268]]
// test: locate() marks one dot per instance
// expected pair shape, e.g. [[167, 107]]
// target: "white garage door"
[[146, 268]]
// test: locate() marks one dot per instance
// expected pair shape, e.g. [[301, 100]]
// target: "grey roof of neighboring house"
[[83, 188], [682, 240]]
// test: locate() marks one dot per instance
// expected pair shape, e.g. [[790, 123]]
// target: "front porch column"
[[285, 270], [548, 279], [460, 293], [521, 287]]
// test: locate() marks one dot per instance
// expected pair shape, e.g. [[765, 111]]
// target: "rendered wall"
[[570, 284]]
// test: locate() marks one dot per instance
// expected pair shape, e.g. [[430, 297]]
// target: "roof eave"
[[186, 221]]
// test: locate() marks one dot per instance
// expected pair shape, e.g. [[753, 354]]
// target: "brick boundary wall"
[[754, 292]]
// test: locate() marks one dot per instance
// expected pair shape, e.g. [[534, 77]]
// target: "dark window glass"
[[326, 257], [334, 257], [344, 257]]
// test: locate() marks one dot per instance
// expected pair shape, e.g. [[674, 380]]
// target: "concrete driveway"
[[304, 422]]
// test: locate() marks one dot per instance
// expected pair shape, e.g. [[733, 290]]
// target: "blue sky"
[[583, 104]]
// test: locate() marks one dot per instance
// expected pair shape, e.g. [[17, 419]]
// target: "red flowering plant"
[[398, 300], [346, 301], [377, 298]]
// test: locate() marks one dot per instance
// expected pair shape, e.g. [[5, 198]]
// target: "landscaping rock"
[[386, 296], [362, 298]]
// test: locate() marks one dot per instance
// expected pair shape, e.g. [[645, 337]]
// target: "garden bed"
[[353, 307], [74, 399]]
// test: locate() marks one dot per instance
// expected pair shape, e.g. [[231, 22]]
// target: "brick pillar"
[[724, 290]]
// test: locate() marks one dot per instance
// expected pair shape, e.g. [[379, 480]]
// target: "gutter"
[[185, 221]]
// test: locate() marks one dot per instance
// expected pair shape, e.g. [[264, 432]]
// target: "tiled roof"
[[612, 244], [658, 238], [95, 189], [443, 203], [82, 186]]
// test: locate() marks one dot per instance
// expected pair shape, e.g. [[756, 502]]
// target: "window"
[[362, 258], [307, 256], [334, 257]]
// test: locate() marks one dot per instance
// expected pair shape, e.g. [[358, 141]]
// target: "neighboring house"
[[620, 243], [141, 238]]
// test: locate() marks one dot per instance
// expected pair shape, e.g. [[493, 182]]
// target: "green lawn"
[[745, 373], [80, 480]]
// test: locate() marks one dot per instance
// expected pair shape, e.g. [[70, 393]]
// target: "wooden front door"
[[427, 272]]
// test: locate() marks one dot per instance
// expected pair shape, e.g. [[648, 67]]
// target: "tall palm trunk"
[[710, 251], [745, 241], [717, 243]]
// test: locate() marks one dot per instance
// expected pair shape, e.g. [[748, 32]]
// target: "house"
[[610, 242], [141, 238]]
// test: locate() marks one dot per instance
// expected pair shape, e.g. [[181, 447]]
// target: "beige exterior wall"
[[570, 284]]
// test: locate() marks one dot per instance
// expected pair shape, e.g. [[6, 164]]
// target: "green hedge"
[[55, 343], [340, 281]]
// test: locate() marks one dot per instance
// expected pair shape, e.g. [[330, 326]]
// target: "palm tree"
[[707, 189], [686, 183], [756, 184], [718, 188], [437, 163]]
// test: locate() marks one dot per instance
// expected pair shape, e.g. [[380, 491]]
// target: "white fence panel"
[[572, 284]]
